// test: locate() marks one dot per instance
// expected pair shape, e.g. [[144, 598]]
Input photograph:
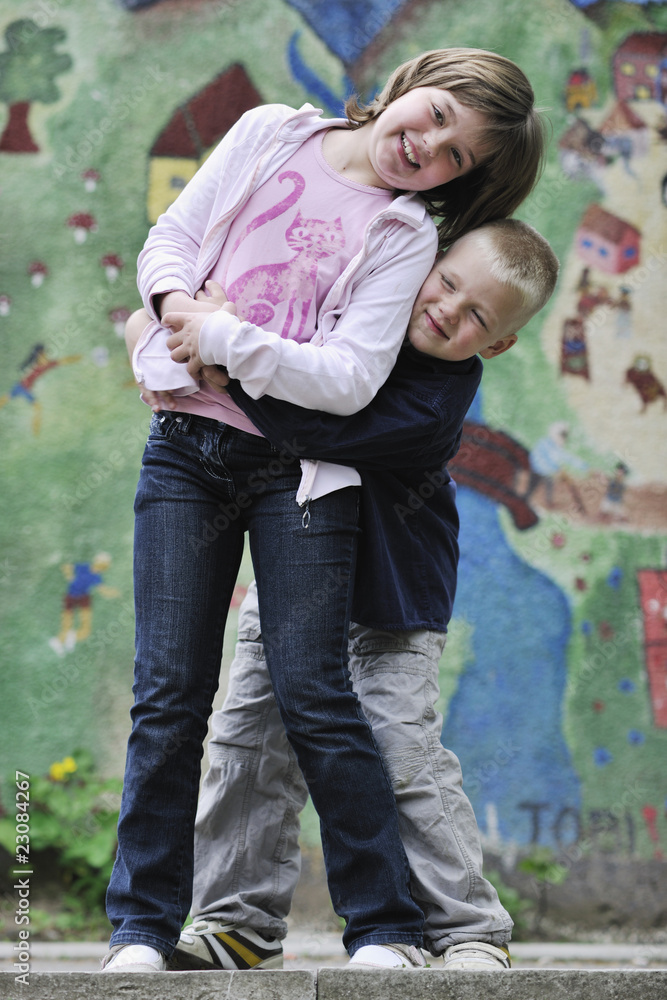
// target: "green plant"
[[541, 864], [73, 814], [516, 905]]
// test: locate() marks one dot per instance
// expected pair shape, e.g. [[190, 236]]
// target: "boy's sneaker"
[[133, 958], [387, 956], [209, 944], [476, 955]]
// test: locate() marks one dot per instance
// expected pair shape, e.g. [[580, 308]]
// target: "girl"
[[306, 224]]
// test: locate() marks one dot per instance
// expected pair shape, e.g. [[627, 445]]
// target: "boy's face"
[[461, 310]]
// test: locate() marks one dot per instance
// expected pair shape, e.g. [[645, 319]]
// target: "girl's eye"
[[446, 282], [439, 117], [457, 156]]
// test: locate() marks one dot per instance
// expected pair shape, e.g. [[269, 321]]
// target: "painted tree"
[[28, 69]]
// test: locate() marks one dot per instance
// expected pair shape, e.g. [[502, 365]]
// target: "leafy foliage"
[[73, 817]]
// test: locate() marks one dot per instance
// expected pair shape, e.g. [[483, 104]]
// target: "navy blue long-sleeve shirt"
[[400, 443]]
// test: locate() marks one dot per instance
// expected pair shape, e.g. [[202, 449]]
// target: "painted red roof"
[[204, 119], [649, 43], [609, 226], [622, 117]]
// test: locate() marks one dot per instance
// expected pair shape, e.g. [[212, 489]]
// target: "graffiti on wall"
[[559, 707]]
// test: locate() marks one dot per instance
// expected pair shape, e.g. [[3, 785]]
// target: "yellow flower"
[[60, 769], [69, 765]]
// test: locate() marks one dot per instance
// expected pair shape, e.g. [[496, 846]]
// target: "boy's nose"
[[449, 310]]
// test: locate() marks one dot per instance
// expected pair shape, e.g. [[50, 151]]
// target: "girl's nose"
[[431, 144]]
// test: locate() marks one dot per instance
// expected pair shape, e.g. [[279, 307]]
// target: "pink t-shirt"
[[303, 226]]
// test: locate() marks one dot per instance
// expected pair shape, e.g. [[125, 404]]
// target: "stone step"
[[343, 984]]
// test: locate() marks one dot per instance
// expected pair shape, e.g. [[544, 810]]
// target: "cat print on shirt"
[[293, 281]]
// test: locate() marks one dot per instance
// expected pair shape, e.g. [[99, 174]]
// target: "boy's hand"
[[160, 400], [179, 301], [213, 295], [215, 377]]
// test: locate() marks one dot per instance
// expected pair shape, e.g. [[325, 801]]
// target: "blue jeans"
[[202, 485]]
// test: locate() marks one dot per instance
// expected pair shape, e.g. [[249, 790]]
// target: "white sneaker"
[[476, 955], [133, 958], [388, 956]]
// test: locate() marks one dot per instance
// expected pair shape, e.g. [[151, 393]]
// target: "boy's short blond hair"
[[519, 258]]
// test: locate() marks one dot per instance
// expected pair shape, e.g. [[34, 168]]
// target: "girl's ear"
[[499, 347]]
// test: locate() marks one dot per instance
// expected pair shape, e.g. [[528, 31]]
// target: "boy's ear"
[[499, 347]]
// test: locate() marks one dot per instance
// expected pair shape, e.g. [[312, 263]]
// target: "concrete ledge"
[[269, 985], [528, 984], [344, 984]]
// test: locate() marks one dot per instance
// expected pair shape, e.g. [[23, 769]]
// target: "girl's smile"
[[421, 140], [424, 139]]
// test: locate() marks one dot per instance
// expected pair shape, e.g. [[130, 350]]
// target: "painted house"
[[653, 601], [623, 124], [606, 242], [640, 67], [192, 131], [580, 90]]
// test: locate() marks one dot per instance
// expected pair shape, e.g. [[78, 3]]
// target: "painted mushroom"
[[37, 271], [82, 223], [119, 318], [90, 178], [112, 264]]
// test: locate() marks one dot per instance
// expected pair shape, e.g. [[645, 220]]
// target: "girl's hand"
[[183, 342]]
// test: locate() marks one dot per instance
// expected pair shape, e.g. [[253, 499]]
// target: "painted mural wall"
[[554, 682]]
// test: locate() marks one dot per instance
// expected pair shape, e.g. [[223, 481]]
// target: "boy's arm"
[[399, 429]]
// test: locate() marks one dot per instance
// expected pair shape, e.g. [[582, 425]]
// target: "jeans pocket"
[[164, 425]]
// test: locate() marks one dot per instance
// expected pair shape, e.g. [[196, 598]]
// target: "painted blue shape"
[[636, 738], [587, 628], [505, 719], [136, 4], [347, 27], [602, 757], [615, 577], [582, 4], [626, 686], [316, 89]]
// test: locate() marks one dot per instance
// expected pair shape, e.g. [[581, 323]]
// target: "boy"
[[475, 300]]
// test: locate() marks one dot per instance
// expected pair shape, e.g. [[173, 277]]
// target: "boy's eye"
[[479, 319]]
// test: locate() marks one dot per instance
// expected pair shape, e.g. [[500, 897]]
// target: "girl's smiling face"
[[424, 139], [461, 310]]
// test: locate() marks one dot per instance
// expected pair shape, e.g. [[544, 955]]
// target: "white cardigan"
[[362, 322]]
